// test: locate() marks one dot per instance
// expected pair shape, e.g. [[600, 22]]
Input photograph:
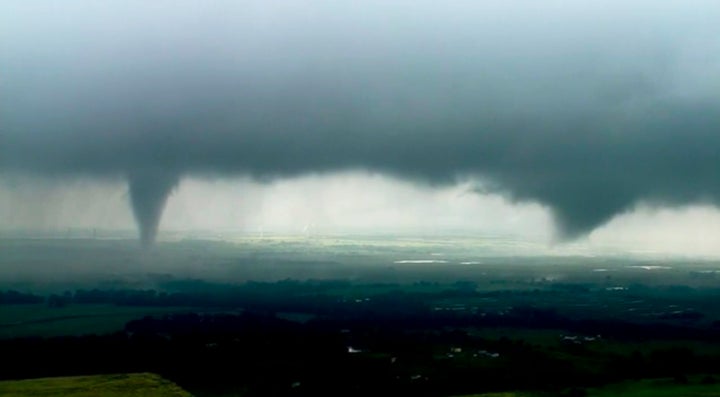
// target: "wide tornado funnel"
[[149, 190]]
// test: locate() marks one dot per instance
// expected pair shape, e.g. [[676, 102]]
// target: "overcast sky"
[[542, 119]]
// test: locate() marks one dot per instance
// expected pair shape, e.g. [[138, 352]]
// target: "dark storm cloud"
[[586, 108]]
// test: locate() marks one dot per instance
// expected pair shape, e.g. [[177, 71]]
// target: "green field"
[[552, 321], [137, 385], [41, 320]]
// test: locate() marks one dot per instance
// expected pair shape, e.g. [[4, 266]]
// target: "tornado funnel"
[[149, 190]]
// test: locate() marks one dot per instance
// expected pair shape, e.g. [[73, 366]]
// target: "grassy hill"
[[132, 385]]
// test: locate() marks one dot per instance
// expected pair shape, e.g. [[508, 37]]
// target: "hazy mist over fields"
[[550, 121]]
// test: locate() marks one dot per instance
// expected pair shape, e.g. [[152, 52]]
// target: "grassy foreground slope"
[[133, 385]]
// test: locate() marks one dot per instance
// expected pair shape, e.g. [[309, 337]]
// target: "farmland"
[[311, 316]]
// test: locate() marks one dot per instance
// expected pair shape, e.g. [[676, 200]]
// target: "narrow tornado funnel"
[[149, 190]]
